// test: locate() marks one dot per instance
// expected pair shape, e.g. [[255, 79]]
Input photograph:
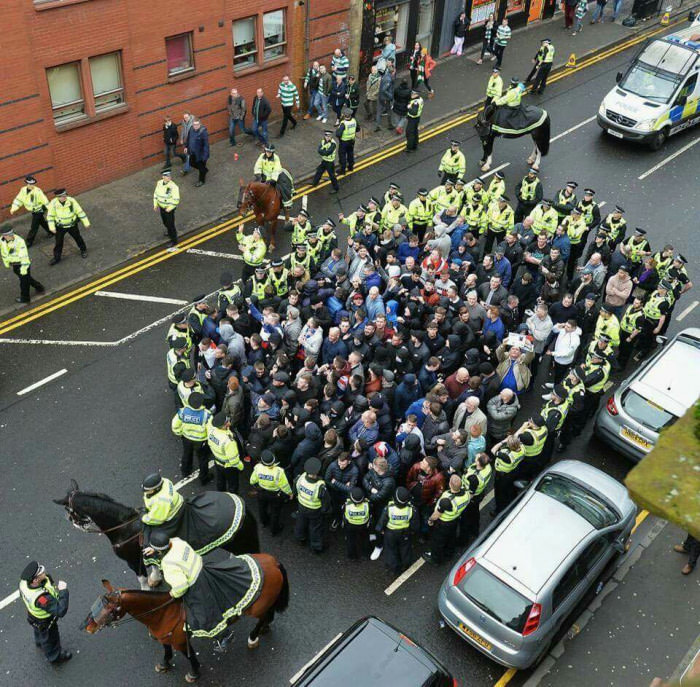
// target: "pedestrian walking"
[[494, 87], [597, 16], [346, 133], [691, 547], [45, 602], [185, 127], [386, 96], [337, 98], [260, 111], [352, 95], [340, 64], [236, 115], [33, 200], [198, 150], [414, 63], [314, 502], [288, 95], [399, 109], [544, 66], [63, 215], [325, 84], [166, 198], [273, 488], [580, 13], [170, 139], [311, 79], [503, 34], [356, 523], [397, 521], [460, 27], [488, 39], [569, 11], [327, 149], [15, 256], [372, 93], [425, 71], [414, 112]]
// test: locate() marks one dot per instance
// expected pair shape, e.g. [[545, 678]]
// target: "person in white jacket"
[[311, 338], [565, 346]]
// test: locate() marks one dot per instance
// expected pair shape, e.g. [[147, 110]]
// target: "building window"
[[274, 35], [107, 86], [514, 6], [66, 92], [178, 50], [481, 9], [245, 51], [391, 21]]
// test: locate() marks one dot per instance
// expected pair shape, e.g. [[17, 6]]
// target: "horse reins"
[[72, 511], [122, 621]]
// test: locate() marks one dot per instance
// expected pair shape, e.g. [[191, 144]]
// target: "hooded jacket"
[[309, 447], [402, 96]]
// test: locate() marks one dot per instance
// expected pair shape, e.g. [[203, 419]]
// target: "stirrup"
[[223, 644]]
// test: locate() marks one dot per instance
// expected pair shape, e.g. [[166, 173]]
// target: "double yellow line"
[[131, 269]]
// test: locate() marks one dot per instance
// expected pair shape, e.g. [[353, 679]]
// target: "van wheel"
[[659, 139]]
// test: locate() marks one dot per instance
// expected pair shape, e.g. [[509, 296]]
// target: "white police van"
[[659, 94]]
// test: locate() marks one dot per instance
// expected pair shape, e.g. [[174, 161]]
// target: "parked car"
[[510, 593], [653, 397], [373, 653]]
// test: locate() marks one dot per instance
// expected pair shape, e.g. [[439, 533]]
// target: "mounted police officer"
[[161, 500], [268, 166], [45, 602]]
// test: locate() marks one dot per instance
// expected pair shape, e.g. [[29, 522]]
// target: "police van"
[[659, 94]]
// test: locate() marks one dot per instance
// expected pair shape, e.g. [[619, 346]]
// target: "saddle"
[[517, 120]]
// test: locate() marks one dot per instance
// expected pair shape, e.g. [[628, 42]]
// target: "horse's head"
[[244, 197], [483, 121], [75, 515], [106, 610]]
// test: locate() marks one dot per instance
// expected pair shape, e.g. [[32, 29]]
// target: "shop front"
[[478, 11]]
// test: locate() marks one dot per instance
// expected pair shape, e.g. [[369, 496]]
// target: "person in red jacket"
[[426, 482]]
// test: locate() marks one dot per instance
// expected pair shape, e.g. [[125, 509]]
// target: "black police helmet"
[[153, 481]]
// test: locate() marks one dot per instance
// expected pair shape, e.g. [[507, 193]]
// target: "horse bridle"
[[248, 200], [85, 522], [117, 609]]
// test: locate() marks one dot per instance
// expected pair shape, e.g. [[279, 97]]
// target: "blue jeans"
[[597, 12], [186, 166], [313, 93], [616, 8], [232, 129], [259, 130], [324, 104]]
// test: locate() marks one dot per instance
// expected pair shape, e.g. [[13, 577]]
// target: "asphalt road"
[[106, 421]]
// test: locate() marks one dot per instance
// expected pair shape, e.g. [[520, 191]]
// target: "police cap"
[[665, 285], [639, 231], [357, 494], [532, 170], [680, 258], [187, 375], [328, 132], [374, 200], [166, 172], [303, 213], [478, 180], [538, 420], [422, 191], [29, 179], [588, 192], [363, 208], [559, 391], [6, 230], [394, 187], [449, 182], [30, 571], [455, 142], [270, 148], [195, 400], [330, 221], [620, 209], [312, 466], [575, 211], [219, 420], [180, 342], [402, 495], [277, 262], [572, 184], [460, 181], [499, 175], [153, 481], [547, 202], [503, 198], [60, 191]]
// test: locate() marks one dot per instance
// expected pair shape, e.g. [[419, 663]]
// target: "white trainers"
[[493, 58], [319, 118], [546, 397], [376, 553], [324, 120], [548, 385]]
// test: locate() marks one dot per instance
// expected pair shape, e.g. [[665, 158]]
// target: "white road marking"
[[138, 297], [9, 599], [687, 311], [49, 342], [214, 254], [41, 382], [304, 201], [495, 169], [404, 576], [668, 159], [191, 478], [573, 128]]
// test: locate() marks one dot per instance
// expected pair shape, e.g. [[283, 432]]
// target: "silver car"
[[509, 594], [653, 397]]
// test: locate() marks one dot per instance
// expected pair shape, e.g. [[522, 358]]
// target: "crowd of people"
[[380, 379]]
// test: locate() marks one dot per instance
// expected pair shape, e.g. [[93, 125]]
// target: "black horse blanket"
[[285, 184], [222, 591], [205, 522], [518, 120]]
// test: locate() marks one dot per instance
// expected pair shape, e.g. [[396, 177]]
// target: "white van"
[[659, 94]]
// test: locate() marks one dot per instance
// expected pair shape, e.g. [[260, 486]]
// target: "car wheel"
[[659, 139]]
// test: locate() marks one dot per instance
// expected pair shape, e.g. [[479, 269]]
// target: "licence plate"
[[614, 133], [479, 640], [635, 438]]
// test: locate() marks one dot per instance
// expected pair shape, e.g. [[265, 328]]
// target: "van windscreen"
[[651, 84]]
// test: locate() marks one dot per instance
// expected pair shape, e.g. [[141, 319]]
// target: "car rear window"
[[587, 504], [496, 598], [645, 412]]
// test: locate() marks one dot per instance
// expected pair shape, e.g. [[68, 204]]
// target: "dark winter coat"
[[308, 447]]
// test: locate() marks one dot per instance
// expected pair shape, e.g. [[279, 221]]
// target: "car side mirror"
[[618, 77], [618, 546], [521, 484], [661, 340]]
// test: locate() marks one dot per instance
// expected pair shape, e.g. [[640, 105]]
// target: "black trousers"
[[168, 219], [412, 138], [492, 236], [38, 220], [397, 550], [356, 540], [61, 235], [523, 209], [498, 51], [503, 488], [419, 229], [200, 166], [442, 540], [287, 117], [574, 255], [25, 281], [309, 526], [540, 82], [470, 520], [189, 448], [445, 176], [49, 641], [692, 546], [346, 155], [227, 479], [591, 402], [625, 350], [329, 167], [560, 371], [270, 510]]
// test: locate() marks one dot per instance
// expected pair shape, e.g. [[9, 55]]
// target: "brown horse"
[[265, 202], [164, 616]]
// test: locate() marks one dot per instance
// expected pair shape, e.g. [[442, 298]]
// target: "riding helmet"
[[153, 481], [160, 540]]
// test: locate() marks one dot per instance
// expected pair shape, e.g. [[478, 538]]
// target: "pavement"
[[101, 415], [124, 225]]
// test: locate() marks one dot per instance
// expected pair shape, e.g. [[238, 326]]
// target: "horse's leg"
[[488, 150], [536, 157], [194, 674], [167, 663], [260, 628]]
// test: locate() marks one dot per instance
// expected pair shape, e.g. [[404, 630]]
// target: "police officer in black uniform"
[[45, 603]]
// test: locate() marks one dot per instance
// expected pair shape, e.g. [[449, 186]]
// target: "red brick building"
[[86, 83]]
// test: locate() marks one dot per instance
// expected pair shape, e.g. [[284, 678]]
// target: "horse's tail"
[[543, 135], [283, 598]]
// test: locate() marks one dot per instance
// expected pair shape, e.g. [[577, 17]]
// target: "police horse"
[[509, 122], [228, 523]]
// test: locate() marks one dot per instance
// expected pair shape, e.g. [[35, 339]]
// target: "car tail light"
[[533, 620], [610, 405], [463, 570], [454, 682]]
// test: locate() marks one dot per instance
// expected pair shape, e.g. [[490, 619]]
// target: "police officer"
[[594, 375], [327, 150], [180, 563], [565, 200], [494, 87], [544, 219], [397, 520], [278, 277], [577, 230], [162, 501], [268, 166], [190, 424], [630, 328], [15, 256], [496, 188], [445, 519], [327, 237], [576, 415], [633, 251], [229, 293], [509, 454], [33, 200], [227, 458], [499, 220], [420, 214], [453, 164], [529, 193], [677, 276], [176, 356], [655, 310], [476, 479], [63, 216], [253, 248], [355, 221], [589, 208], [166, 198], [299, 258], [413, 113], [442, 197], [532, 435], [554, 412], [394, 189], [273, 488], [299, 226], [513, 96], [544, 59], [356, 523], [255, 286], [615, 227], [346, 133], [196, 315], [179, 329], [314, 502], [45, 603], [394, 212]]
